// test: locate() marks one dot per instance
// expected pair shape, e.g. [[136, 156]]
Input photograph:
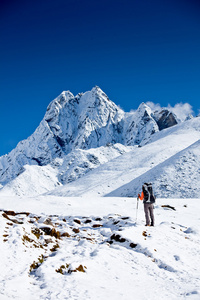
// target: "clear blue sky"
[[135, 50]]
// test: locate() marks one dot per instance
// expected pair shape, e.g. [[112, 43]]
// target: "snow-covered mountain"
[[85, 121], [83, 135]]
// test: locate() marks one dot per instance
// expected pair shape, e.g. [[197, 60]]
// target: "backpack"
[[148, 193]]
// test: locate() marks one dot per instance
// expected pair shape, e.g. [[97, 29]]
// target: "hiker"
[[148, 199]]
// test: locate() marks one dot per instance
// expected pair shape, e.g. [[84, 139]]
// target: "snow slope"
[[35, 180], [92, 248], [177, 176], [117, 177]]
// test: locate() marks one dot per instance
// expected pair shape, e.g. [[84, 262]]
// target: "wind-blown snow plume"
[[182, 110]]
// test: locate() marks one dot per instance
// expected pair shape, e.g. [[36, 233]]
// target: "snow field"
[[97, 251]]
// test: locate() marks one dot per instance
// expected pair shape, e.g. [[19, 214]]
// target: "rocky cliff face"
[[85, 121], [165, 119]]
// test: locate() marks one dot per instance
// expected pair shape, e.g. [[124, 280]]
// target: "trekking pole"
[[136, 210]]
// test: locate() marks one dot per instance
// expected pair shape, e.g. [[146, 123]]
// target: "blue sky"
[[135, 50]]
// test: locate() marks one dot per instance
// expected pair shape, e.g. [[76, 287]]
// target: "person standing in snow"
[[148, 199]]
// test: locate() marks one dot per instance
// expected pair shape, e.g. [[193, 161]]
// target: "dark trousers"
[[148, 210]]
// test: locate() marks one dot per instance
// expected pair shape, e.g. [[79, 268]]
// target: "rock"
[[132, 245], [118, 238], [166, 119]]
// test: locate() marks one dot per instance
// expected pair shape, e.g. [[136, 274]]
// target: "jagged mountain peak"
[[144, 109], [90, 99], [61, 99], [57, 105], [88, 111], [95, 98], [97, 90], [87, 120], [144, 113]]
